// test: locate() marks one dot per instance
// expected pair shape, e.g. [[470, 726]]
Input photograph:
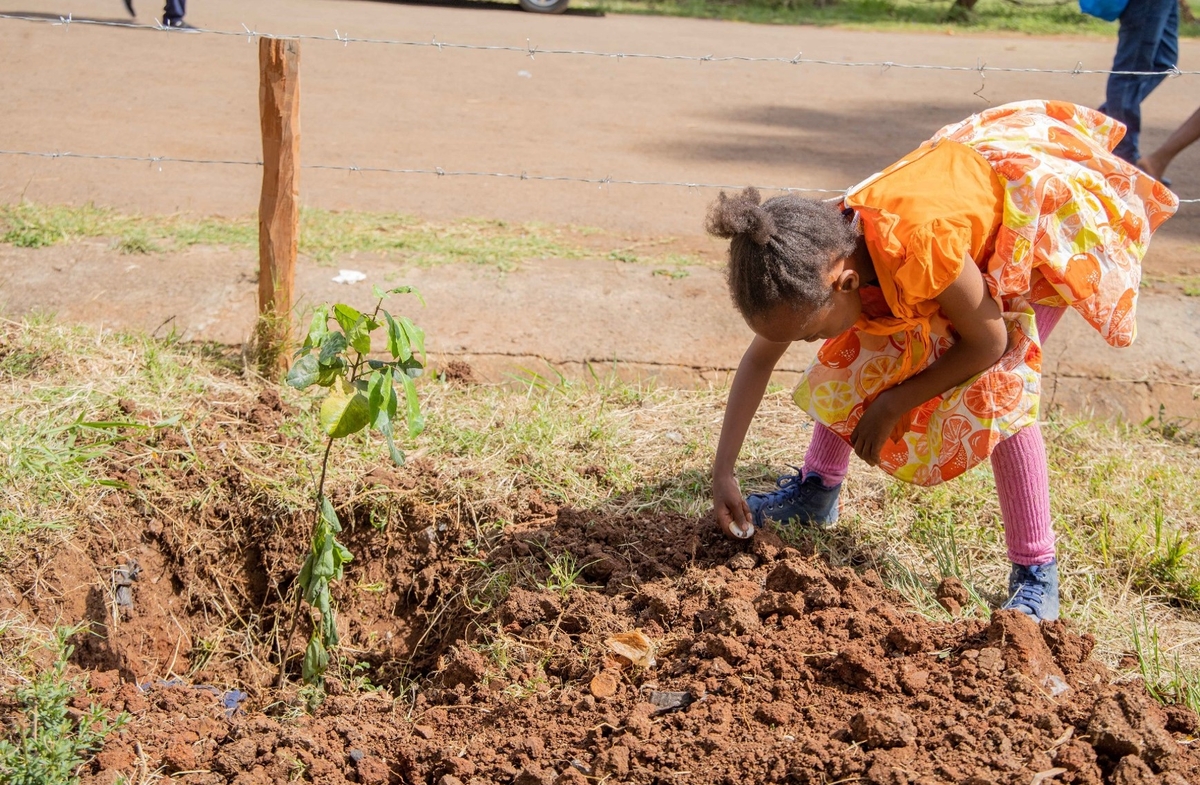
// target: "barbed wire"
[[440, 172], [532, 51]]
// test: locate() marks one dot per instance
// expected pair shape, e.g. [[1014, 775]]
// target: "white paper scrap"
[[349, 276]]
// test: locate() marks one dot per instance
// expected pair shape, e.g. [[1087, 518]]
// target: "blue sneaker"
[[801, 500], [1034, 590]]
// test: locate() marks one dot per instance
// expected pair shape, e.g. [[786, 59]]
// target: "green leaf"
[[306, 574], [377, 293], [329, 625], [329, 515], [332, 372], [407, 290], [346, 316], [412, 367], [332, 344], [316, 660], [305, 372], [318, 327], [381, 396], [415, 335], [356, 326], [344, 411], [398, 343], [396, 453], [412, 408], [323, 566]]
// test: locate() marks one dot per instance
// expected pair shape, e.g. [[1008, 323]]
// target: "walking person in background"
[[1157, 162], [173, 14], [933, 286], [1148, 40]]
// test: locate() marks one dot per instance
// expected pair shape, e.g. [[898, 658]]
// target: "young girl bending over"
[[933, 286]]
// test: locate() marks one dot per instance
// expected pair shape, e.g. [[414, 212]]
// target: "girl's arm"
[[749, 384], [983, 338]]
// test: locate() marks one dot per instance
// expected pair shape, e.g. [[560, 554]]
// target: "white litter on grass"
[[524, 74], [349, 276]]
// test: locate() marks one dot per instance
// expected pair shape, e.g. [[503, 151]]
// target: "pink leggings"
[[1018, 462]]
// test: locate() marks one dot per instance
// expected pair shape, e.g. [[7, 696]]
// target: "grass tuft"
[[47, 745], [1035, 18], [325, 236]]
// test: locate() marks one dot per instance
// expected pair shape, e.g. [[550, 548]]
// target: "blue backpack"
[[1108, 10]]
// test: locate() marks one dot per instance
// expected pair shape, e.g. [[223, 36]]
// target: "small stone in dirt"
[[102, 681], [888, 728], [1020, 641], [115, 756], [357, 755], [777, 603], [449, 779], [571, 777], [766, 545], [535, 775], [1077, 755], [906, 638], [614, 762], [1127, 723], [424, 731], [180, 756], [952, 595], [531, 747], [990, 660], [742, 561], [372, 771], [604, 684], [462, 665], [1132, 770], [459, 767], [778, 714], [665, 701], [738, 616], [1181, 719]]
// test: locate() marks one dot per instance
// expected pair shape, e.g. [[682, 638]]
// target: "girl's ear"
[[846, 281]]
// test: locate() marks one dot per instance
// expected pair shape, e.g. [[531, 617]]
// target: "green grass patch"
[[1036, 18], [46, 745], [324, 235]]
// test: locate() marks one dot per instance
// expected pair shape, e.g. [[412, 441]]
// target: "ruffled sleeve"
[[933, 258]]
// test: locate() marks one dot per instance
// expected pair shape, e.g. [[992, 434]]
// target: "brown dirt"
[[781, 668]]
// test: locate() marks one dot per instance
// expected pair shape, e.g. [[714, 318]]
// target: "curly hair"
[[779, 250]]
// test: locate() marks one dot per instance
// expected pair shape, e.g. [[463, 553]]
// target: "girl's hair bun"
[[741, 215]]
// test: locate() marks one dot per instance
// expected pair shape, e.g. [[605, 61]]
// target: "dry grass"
[[1126, 499]]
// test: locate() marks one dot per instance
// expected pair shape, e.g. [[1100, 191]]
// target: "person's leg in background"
[[174, 12], [1147, 38]]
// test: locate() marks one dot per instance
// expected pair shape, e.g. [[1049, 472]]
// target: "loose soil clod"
[[768, 664]]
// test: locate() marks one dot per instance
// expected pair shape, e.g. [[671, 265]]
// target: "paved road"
[[139, 92]]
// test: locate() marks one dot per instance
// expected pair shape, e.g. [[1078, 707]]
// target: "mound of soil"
[[496, 655]]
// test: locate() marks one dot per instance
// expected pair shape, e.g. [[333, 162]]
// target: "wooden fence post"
[[279, 209]]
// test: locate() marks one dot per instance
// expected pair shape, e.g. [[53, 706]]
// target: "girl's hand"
[[875, 426], [733, 514]]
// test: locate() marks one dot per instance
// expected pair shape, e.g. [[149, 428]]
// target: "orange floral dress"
[[1031, 193]]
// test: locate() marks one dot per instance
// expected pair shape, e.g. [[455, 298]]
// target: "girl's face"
[[785, 324]]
